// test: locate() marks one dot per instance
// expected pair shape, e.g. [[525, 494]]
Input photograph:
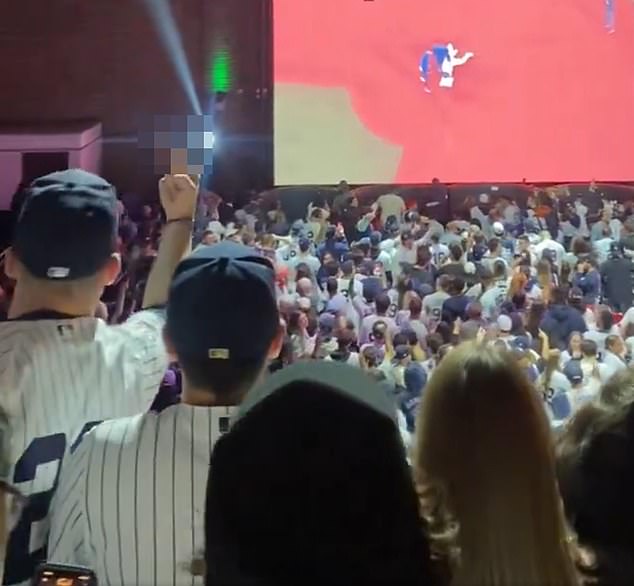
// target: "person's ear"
[[169, 346], [112, 269], [12, 265], [276, 345]]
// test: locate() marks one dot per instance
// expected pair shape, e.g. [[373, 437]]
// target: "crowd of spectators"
[[408, 401]]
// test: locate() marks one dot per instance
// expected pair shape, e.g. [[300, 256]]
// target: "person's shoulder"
[[114, 431], [20, 334]]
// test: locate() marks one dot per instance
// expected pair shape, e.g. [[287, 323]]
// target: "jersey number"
[[21, 562]]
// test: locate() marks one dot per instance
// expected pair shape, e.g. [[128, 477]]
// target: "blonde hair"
[[518, 282], [484, 459], [552, 365]]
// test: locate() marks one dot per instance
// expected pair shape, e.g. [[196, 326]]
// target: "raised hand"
[[179, 194]]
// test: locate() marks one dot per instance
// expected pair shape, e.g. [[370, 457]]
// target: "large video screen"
[[382, 91]]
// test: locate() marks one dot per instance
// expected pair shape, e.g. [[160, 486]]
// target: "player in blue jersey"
[[445, 59], [425, 69]]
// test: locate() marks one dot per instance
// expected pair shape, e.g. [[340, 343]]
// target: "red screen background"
[[549, 95]]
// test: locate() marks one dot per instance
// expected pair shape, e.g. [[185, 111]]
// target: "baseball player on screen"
[[446, 60], [61, 369], [425, 69], [131, 499]]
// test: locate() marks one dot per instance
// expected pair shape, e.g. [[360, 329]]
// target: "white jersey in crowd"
[[58, 378], [432, 305], [131, 500], [493, 298], [550, 244], [391, 205]]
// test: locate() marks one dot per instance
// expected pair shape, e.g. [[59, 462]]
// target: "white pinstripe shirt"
[[131, 500], [57, 376]]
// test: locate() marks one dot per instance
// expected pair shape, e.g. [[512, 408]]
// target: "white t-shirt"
[[628, 319], [553, 245], [312, 261], [629, 343], [599, 337], [589, 378], [343, 287], [559, 383], [406, 255], [493, 298], [475, 292], [613, 362], [391, 205]]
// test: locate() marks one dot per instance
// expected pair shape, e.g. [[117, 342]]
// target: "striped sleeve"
[[69, 539], [145, 351], [144, 334]]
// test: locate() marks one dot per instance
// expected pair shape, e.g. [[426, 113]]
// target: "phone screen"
[[59, 575]]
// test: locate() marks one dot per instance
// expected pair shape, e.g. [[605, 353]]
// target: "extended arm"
[[461, 60]]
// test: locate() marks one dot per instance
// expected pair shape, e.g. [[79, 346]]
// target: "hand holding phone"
[[61, 575]]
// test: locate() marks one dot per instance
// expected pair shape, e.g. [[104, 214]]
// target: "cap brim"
[[346, 380]]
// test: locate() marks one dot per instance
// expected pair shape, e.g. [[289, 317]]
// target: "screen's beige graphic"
[[320, 140]]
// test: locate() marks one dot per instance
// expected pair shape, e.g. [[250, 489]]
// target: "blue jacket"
[[337, 248], [455, 307], [410, 403], [559, 322], [590, 285]]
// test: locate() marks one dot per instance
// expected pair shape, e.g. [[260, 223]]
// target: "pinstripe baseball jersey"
[[131, 499], [58, 378]]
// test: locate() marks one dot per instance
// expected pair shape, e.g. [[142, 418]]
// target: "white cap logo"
[[58, 272]]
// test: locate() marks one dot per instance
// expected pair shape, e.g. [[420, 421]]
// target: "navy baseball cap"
[[222, 304], [402, 352], [521, 343], [67, 228], [375, 238], [415, 378], [304, 244], [327, 322], [573, 371]]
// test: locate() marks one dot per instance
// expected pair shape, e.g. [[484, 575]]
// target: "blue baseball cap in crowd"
[[423, 289], [222, 304], [402, 352], [521, 343], [327, 322], [67, 227], [573, 371], [415, 378], [365, 242], [304, 244], [375, 238], [372, 288]]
